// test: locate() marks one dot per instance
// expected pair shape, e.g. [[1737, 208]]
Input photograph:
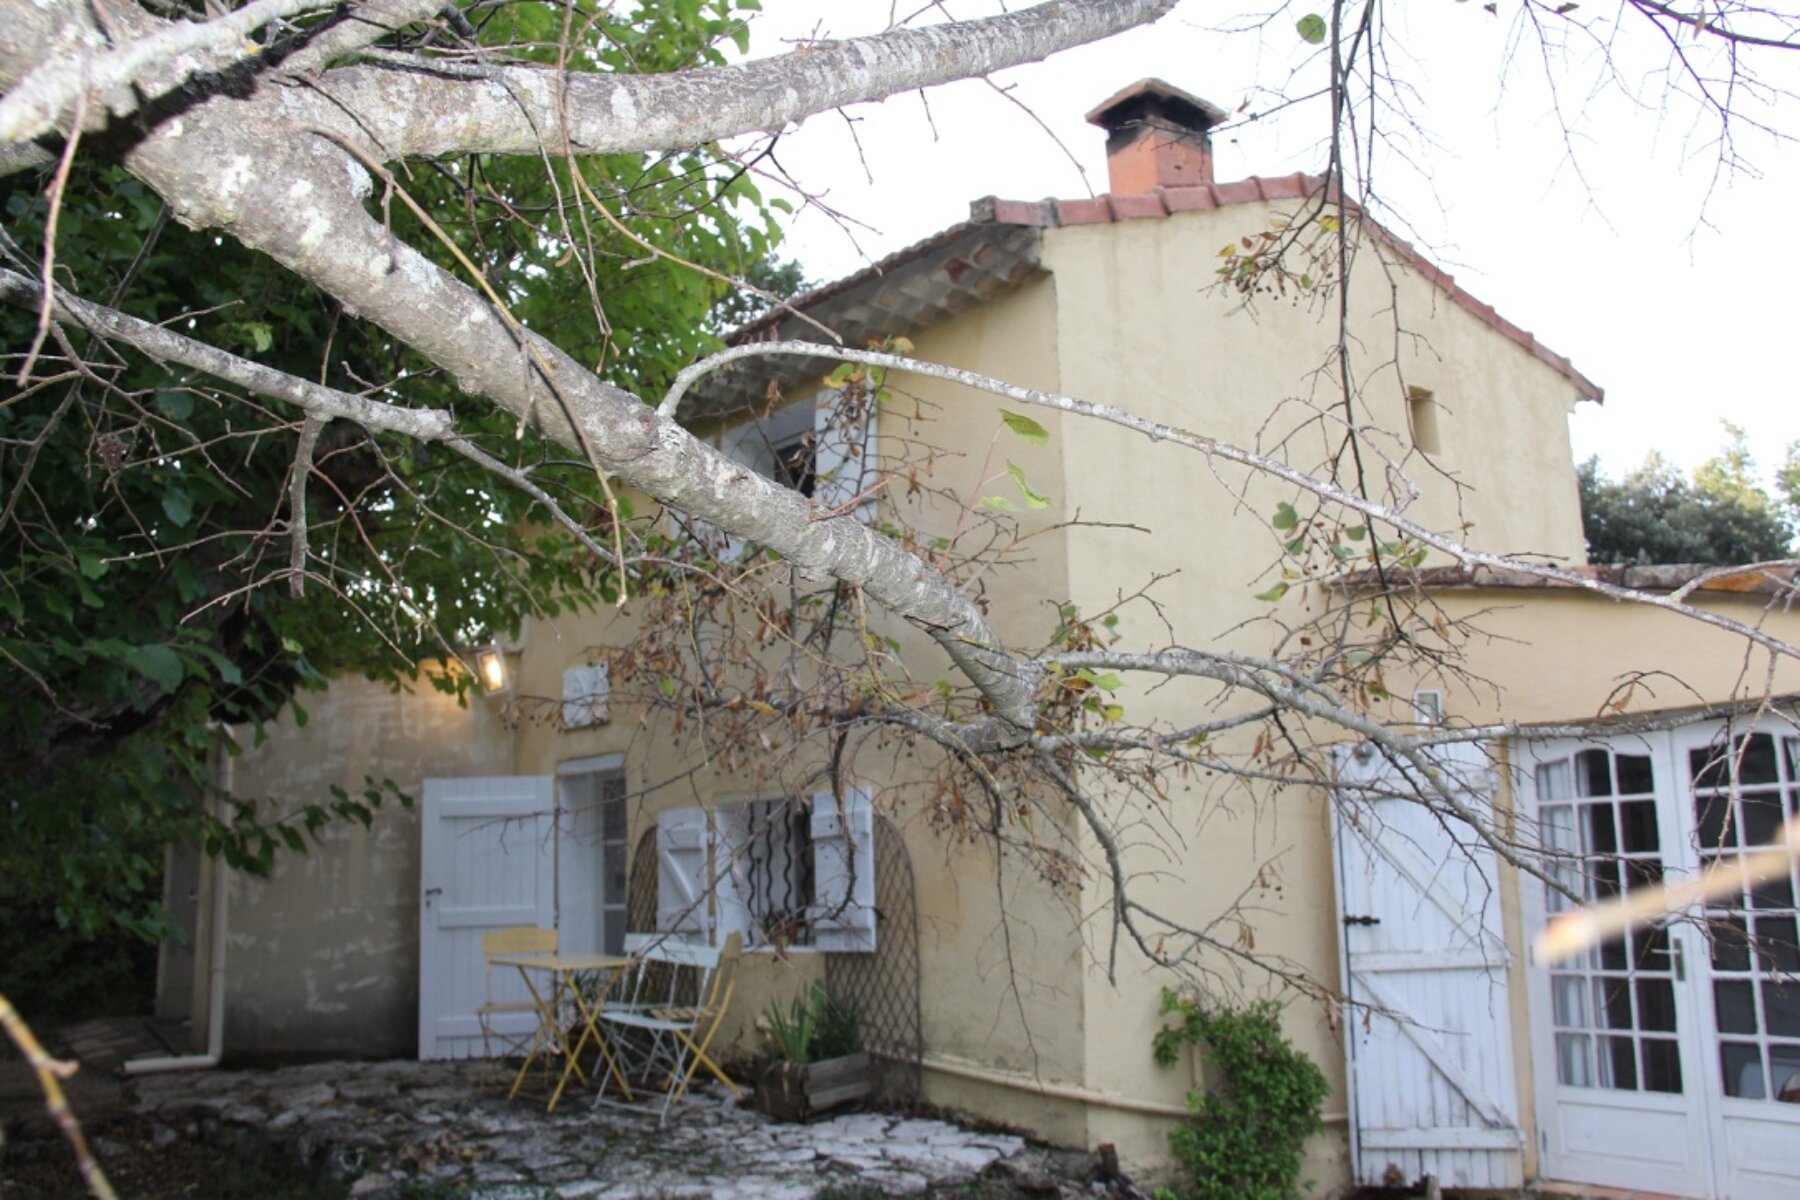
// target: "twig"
[[303, 461], [58, 187], [50, 1074]]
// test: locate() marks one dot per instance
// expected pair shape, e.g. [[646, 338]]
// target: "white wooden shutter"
[[1424, 960], [843, 457], [731, 836], [584, 696], [843, 846], [683, 874]]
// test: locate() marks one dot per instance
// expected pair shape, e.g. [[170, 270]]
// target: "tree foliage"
[[148, 586], [1722, 516]]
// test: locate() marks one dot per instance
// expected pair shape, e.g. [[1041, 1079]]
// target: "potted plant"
[[817, 1061]]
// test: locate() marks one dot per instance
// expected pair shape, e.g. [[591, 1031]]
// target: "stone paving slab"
[[390, 1125]]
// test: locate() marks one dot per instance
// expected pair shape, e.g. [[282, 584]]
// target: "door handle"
[[430, 892], [1362, 920]]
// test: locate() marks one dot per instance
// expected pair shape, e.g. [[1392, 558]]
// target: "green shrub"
[[1245, 1141], [815, 1027]]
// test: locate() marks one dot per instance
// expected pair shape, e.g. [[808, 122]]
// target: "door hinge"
[[1362, 920]]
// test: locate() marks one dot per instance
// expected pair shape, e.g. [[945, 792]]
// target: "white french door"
[[1662, 1056]]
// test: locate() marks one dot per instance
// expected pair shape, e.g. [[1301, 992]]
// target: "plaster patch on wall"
[[314, 1004]]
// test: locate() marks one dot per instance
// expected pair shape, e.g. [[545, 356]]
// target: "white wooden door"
[[1424, 961], [1618, 1033], [487, 860]]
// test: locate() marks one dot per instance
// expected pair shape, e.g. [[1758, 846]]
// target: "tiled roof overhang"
[[946, 274], [1653, 577]]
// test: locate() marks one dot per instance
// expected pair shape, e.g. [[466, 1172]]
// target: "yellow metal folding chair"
[[514, 939]]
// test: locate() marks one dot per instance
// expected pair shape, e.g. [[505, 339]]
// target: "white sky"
[[1606, 244]]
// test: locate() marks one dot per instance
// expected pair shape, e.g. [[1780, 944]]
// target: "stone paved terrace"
[[391, 1126]]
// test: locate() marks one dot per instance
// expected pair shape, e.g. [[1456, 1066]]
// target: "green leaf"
[[261, 335], [175, 405], [1033, 497], [1285, 516], [175, 502], [667, 686], [1108, 682], [1273, 594], [1312, 28], [92, 565], [997, 503], [157, 663], [1026, 428]]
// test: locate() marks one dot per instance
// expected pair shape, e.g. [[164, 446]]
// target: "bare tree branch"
[[166, 346]]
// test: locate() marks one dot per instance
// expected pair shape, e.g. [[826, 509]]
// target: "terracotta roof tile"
[[1083, 212], [1186, 199], [1149, 204], [1655, 577]]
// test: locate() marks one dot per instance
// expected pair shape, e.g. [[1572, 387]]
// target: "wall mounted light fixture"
[[491, 669]]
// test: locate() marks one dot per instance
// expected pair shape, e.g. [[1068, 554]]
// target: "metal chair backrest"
[[517, 939], [668, 969]]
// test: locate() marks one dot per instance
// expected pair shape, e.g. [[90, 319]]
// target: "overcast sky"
[[1616, 245]]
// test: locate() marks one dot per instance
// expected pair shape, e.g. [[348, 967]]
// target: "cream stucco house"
[[1670, 1063]]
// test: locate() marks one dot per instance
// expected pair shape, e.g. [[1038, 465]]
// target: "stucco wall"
[[323, 955], [1000, 954], [1141, 326]]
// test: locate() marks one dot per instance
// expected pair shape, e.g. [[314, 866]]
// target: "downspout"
[[215, 958]]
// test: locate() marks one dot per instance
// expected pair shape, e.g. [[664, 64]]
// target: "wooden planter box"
[[791, 1091]]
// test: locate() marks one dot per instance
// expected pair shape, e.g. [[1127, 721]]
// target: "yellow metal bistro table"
[[548, 999]]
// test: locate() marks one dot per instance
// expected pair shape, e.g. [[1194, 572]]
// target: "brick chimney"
[[1156, 136]]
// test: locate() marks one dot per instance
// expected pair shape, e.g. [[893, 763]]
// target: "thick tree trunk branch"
[[42, 99], [458, 109]]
